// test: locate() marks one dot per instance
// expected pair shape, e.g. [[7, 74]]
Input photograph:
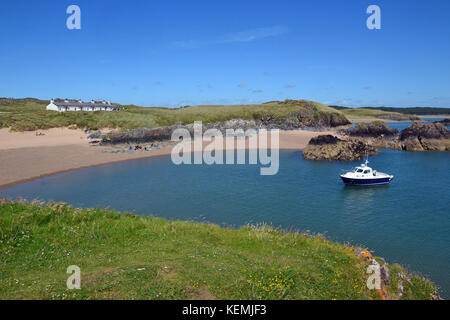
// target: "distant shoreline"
[[354, 120], [435, 116]]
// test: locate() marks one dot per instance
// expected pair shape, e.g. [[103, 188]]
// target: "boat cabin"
[[364, 170]]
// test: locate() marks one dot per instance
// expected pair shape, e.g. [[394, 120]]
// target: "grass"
[[27, 115], [124, 256], [416, 110], [371, 113]]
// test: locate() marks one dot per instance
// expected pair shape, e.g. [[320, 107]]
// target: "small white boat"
[[365, 176]]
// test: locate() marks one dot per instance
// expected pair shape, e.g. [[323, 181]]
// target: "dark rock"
[[372, 129], [140, 135], [422, 130], [95, 135], [143, 135], [425, 137], [445, 122], [435, 296], [417, 137], [340, 150], [324, 139]]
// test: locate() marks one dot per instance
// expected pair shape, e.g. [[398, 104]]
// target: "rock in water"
[[425, 137], [373, 129], [417, 137], [327, 147], [445, 122], [324, 139], [425, 130]]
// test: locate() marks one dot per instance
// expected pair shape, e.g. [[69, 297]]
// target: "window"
[[359, 170], [367, 171]]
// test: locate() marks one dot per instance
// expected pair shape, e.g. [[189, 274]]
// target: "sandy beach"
[[25, 155]]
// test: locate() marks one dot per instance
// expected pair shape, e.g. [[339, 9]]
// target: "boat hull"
[[365, 182]]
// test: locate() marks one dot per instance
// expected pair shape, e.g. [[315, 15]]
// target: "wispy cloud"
[[289, 86], [242, 85], [253, 34], [233, 37], [257, 91]]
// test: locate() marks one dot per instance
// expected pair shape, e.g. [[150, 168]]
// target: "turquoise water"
[[407, 221]]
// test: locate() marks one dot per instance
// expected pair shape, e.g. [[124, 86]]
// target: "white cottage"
[[74, 105]]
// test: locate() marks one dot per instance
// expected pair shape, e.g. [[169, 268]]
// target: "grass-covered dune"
[[30, 114], [124, 256], [373, 113], [416, 110]]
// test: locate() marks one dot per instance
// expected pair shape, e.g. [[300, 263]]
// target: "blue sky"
[[172, 53]]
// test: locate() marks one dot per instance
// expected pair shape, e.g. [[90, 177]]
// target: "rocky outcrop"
[[324, 139], [326, 147], [425, 137], [373, 129], [425, 130], [445, 122], [417, 137], [143, 135], [308, 116]]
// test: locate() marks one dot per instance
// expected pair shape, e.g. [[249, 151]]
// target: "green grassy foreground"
[[123, 256], [30, 114]]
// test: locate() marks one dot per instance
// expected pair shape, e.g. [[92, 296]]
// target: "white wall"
[[52, 106]]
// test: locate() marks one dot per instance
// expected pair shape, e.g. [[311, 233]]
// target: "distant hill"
[[4, 100], [411, 110]]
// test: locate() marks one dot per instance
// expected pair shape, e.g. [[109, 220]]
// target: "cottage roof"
[[82, 104]]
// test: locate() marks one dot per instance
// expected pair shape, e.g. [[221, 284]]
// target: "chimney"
[[92, 101], [52, 100]]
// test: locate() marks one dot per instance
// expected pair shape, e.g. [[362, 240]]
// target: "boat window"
[[359, 170], [367, 171]]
